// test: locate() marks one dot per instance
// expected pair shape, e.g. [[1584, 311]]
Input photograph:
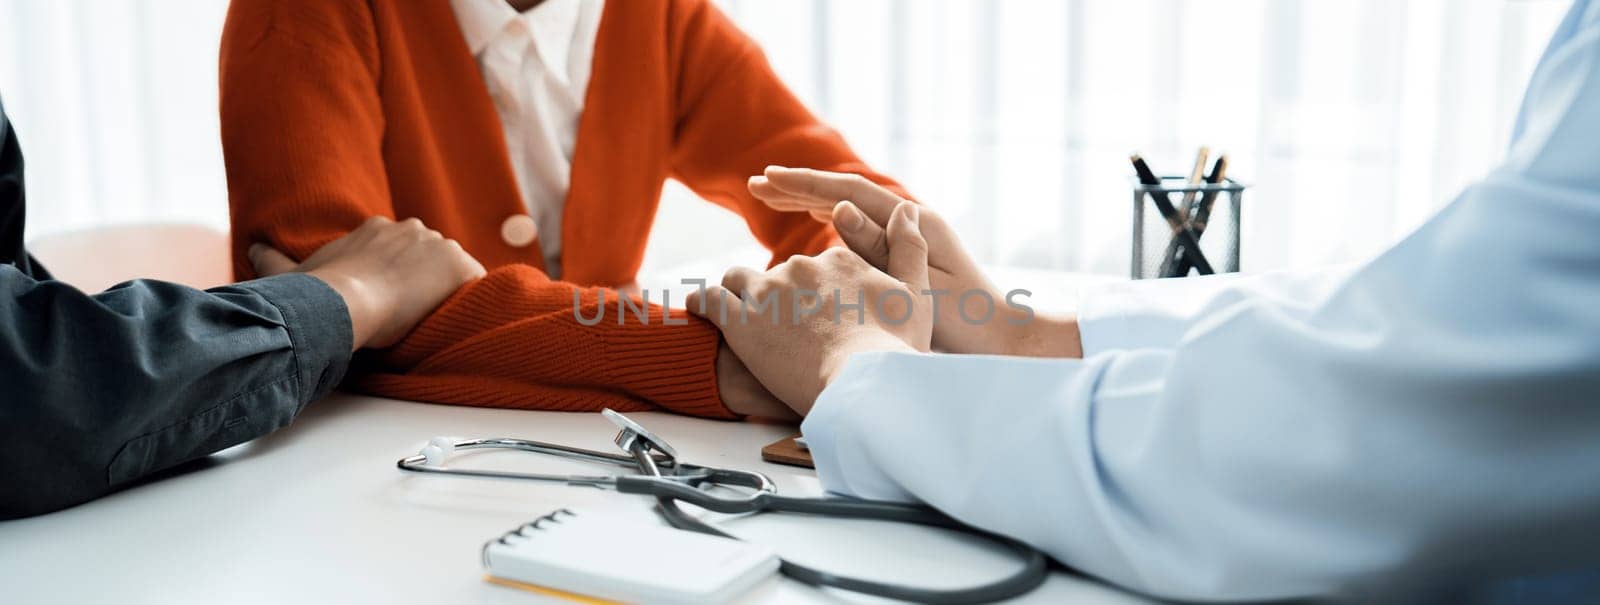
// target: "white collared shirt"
[[536, 65]]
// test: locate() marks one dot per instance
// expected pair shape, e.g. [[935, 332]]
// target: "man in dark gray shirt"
[[99, 390]]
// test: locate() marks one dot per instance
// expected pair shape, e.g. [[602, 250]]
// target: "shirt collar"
[[554, 24], [482, 20]]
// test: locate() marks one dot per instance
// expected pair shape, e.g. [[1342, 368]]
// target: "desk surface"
[[318, 513]]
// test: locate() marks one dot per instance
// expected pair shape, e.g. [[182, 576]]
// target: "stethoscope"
[[662, 475]]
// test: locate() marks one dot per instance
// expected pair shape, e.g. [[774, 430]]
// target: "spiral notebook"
[[594, 557]]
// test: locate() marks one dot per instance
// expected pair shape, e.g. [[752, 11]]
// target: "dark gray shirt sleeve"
[[99, 390]]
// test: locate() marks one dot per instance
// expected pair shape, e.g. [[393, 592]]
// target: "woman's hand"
[[796, 325]]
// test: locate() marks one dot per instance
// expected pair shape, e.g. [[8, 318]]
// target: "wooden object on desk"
[[787, 451]]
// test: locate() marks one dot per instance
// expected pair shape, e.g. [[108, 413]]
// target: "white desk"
[[318, 513]]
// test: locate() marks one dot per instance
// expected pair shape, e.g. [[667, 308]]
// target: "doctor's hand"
[[391, 275], [796, 325], [743, 394], [860, 211]]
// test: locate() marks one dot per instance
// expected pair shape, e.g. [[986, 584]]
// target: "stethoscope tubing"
[[685, 473], [671, 481], [1033, 573]]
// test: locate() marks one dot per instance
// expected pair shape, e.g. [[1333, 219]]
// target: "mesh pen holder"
[[1209, 214]]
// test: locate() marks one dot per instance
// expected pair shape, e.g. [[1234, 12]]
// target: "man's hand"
[[796, 325], [390, 274], [860, 211]]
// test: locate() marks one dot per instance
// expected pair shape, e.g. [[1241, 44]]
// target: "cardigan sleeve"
[[303, 134], [735, 117]]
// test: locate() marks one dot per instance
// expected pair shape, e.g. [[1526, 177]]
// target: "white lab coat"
[[1428, 419]]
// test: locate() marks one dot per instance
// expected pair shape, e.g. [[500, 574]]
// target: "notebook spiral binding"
[[554, 517]]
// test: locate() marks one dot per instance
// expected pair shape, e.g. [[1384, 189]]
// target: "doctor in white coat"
[[1427, 421]]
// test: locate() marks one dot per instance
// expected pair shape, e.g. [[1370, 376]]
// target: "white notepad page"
[[621, 559]]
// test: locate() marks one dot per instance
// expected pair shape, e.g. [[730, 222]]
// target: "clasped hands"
[[787, 331], [897, 287]]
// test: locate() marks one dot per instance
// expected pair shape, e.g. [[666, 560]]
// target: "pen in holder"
[[1208, 214]]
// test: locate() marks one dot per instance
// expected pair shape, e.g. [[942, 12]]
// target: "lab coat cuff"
[[1141, 314], [821, 429], [1123, 315], [1157, 313], [833, 437], [318, 324]]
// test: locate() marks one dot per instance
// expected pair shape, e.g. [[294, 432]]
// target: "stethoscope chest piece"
[[631, 435]]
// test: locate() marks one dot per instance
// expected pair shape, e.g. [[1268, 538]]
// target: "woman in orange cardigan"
[[475, 117]]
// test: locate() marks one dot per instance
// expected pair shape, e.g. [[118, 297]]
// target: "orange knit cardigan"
[[337, 110]]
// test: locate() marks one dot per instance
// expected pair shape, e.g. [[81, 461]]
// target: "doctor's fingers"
[[861, 235], [908, 250], [830, 187], [781, 201]]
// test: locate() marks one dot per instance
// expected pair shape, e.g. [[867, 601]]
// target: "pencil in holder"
[[1169, 219]]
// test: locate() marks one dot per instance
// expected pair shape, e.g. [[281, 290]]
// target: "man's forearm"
[[102, 390]]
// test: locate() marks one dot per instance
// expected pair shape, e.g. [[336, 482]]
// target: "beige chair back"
[[98, 258]]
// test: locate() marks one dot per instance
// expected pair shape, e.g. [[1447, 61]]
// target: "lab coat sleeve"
[[100, 390], [1156, 313], [1431, 418]]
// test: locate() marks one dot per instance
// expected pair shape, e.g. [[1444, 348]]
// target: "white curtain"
[[1352, 120], [115, 102]]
